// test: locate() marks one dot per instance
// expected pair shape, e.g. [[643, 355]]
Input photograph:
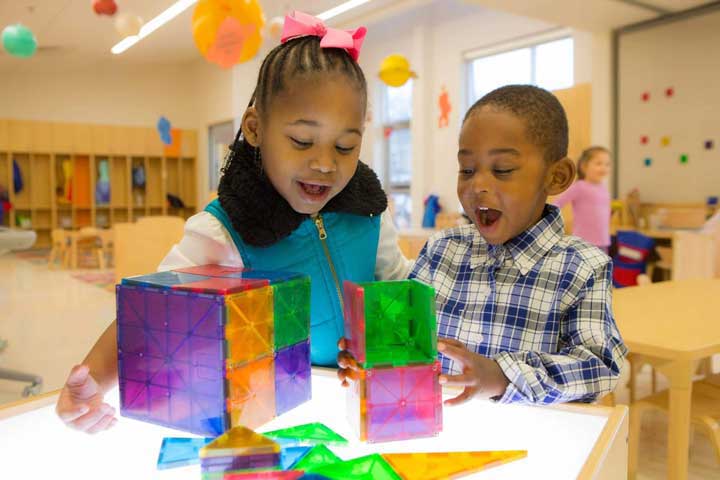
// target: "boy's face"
[[309, 139], [503, 179]]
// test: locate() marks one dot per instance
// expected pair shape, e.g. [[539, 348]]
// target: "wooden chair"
[[140, 247], [60, 248], [87, 239]]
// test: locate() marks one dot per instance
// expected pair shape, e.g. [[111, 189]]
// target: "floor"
[[50, 319]]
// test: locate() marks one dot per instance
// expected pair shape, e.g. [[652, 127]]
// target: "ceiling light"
[[173, 11], [342, 8]]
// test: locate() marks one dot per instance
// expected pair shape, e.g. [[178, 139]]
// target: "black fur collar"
[[262, 217]]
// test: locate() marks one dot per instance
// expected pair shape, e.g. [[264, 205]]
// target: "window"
[[548, 65], [220, 137], [397, 174]]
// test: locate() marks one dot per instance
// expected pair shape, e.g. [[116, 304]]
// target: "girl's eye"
[[344, 150], [466, 171], [301, 144], [507, 171]]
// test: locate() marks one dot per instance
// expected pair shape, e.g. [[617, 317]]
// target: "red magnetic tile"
[[212, 270], [222, 286]]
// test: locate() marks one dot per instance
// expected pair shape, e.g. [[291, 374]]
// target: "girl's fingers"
[[346, 360], [342, 344], [88, 420], [69, 414], [466, 395], [103, 424]]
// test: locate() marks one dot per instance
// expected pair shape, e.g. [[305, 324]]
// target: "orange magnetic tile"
[[444, 465], [239, 441], [250, 324], [251, 393]]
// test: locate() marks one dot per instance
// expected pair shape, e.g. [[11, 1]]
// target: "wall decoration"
[[395, 71], [128, 24], [445, 108], [19, 41], [163, 128], [104, 7], [665, 141]]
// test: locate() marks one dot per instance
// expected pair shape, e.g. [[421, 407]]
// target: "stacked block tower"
[[391, 331], [207, 348]]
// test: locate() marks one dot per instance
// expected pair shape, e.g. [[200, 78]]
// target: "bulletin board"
[[668, 108]]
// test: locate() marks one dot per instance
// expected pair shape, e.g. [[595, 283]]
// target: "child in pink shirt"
[[590, 198]]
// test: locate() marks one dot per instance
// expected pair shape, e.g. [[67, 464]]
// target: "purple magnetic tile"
[[207, 352], [156, 309], [207, 315], [130, 305], [133, 398], [208, 414], [180, 410], [131, 339], [159, 404], [132, 366], [206, 380], [177, 347], [292, 377], [178, 313], [241, 462]]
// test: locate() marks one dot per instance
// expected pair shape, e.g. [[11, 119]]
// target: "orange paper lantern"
[[228, 32]]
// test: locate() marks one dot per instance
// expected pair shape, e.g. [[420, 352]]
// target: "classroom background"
[[114, 128]]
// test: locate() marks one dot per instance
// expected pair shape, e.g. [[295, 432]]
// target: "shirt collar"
[[526, 249]]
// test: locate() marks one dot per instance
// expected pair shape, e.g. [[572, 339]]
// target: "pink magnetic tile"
[[212, 270], [222, 286], [354, 319]]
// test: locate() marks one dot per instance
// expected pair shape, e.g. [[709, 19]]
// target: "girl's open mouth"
[[313, 191]]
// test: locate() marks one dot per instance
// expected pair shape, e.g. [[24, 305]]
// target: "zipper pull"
[[320, 227]]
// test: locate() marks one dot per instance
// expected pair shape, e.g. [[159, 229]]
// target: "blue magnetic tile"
[[313, 476], [292, 377], [163, 279], [289, 456], [270, 275], [178, 452]]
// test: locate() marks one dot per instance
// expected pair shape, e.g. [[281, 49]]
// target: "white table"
[[562, 443]]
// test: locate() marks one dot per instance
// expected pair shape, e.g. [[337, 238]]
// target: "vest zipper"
[[322, 234]]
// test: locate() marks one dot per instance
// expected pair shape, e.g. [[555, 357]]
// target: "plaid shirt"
[[540, 305]]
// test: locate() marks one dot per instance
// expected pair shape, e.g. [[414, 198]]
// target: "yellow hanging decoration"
[[395, 71]]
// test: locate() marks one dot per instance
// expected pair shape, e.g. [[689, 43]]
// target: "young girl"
[[293, 196], [590, 198]]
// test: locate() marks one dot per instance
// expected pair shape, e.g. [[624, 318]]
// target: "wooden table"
[[676, 323], [565, 442]]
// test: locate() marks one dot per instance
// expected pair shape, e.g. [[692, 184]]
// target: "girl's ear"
[[251, 127], [560, 176]]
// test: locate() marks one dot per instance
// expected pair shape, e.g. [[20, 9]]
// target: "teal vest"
[[351, 242]]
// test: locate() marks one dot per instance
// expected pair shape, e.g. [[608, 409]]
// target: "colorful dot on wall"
[[709, 144], [665, 141], [669, 92], [645, 96], [683, 158], [648, 162], [644, 139]]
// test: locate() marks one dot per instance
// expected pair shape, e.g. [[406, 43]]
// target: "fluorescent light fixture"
[[172, 11], [342, 8]]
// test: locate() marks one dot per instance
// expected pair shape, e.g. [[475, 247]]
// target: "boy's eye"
[[344, 150], [466, 171], [300, 143], [503, 171]]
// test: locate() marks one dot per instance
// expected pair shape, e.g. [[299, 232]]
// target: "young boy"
[[525, 311]]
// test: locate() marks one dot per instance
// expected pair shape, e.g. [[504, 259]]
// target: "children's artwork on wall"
[[387, 132], [228, 32], [128, 24], [173, 149], [665, 141], [669, 92], [648, 162], [445, 108], [645, 97], [395, 71], [19, 41], [644, 139], [163, 128], [104, 7], [709, 144], [684, 158]]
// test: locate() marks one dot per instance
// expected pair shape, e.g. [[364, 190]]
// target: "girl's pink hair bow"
[[298, 24]]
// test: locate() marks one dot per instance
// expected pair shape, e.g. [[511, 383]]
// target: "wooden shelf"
[[62, 168]]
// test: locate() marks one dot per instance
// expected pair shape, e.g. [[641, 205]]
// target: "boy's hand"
[[348, 366], [81, 405], [482, 377]]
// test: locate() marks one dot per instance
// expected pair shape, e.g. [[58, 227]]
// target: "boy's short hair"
[[541, 111]]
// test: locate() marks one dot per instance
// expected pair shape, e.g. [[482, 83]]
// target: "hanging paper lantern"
[[275, 28], [128, 25], [104, 7], [19, 41], [228, 32], [395, 71]]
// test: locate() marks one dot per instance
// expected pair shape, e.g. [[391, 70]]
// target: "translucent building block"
[[251, 393], [442, 465], [266, 475], [211, 270], [222, 286], [160, 279], [318, 456], [390, 323], [310, 433], [290, 455], [250, 325], [239, 441], [396, 403], [235, 463], [369, 467], [179, 452], [292, 377], [292, 312]]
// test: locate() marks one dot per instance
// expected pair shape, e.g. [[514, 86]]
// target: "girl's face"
[[597, 168], [309, 139]]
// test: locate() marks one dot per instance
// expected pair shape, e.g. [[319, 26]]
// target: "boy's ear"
[[251, 127], [561, 175]]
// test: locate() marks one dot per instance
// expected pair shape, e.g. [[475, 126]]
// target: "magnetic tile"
[[292, 377]]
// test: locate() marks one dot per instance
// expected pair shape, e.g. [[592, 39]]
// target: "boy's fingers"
[[450, 341], [458, 380], [342, 344], [460, 354], [68, 415], [346, 374], [103, 424], [78, 376], [89, 420], [466, 395]]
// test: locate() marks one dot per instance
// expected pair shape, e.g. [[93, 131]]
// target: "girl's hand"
[[81, 405], [348, 366], [482, 377]]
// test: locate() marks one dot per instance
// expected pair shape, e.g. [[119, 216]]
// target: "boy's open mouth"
[[314, 190], [487, 216]]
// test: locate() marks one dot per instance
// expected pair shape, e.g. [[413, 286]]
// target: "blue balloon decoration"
[[163, 128]]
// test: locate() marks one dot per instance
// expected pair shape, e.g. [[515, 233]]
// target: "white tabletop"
[[35, 444]]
